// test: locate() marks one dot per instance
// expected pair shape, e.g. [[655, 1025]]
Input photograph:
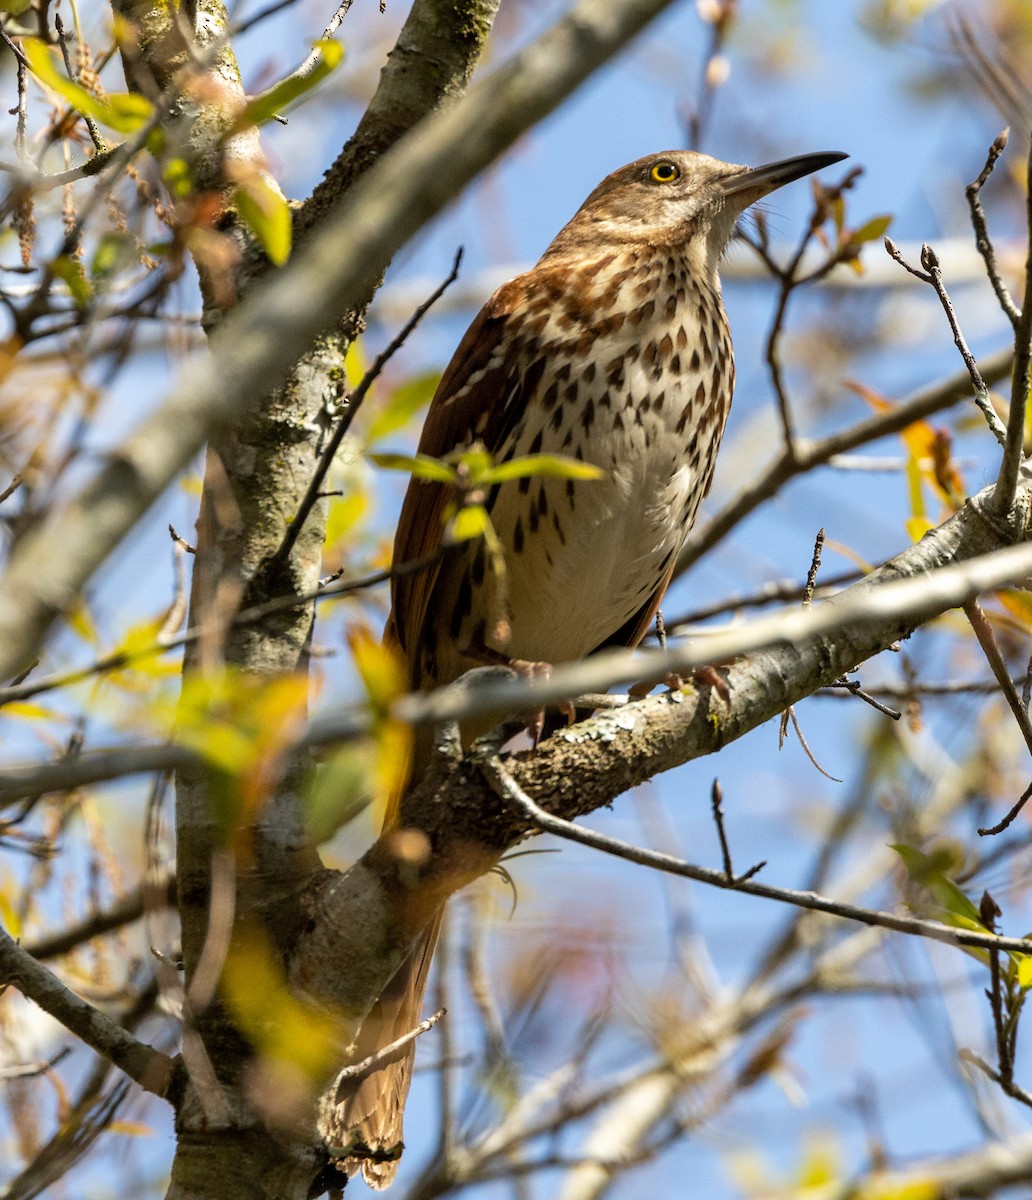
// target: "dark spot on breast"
[[517, 536], [588, 415], [551, 395], [558, 528], [535, 445]]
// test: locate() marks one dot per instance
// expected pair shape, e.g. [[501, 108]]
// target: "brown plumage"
[[614, 350]]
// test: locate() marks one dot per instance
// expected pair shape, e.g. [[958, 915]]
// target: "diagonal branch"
[[151, 1069]]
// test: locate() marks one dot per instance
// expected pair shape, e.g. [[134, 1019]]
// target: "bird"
[[614, 350]]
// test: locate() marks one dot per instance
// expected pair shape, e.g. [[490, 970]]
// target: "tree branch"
[[151, 1069]]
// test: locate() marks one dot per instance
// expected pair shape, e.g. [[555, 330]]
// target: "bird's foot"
[[707, 676], [526, 669]]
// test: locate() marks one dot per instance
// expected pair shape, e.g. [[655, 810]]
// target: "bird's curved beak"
[[756, 182]]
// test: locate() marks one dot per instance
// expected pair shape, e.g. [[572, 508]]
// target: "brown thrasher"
[[615, 350]]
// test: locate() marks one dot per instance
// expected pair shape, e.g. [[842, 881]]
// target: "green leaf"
[[421, 466], [476, 461], [178, 177], [557, 466], [267, 214], [471, 522], [404, 403], [341, 789], [926, 870], [70, 271], [1024, 970], [263, 108], [111, 252], [871, 230], [125, 112]]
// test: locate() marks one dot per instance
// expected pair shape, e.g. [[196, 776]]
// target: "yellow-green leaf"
[[470, 522], [404, 403], [926, 870], [1024, 970], [178, 177], [871, 230], [267, 214], [341, 789], [345, 513], [273, 102], [125, 112], [422, 466], [70, 271], [558, 466]]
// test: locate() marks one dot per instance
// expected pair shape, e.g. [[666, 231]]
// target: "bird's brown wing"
[[479, 398]]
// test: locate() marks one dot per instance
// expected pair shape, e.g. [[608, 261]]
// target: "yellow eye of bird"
[[664, 172]]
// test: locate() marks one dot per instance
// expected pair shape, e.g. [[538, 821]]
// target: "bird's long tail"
[[372, 1113]]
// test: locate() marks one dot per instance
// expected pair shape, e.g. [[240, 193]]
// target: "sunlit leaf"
[[927, 870], [344, 514], [9, 918], [422, 466], [80, 619], [871, 230], [379, 666], [911, 1189], [556, 466], [278, 1023], [340, 790], [267, 214], [820, 1165], [281, 95], [26, 711], [404, 403], [70, 271], [178, 176], [470, 522], [125, 112]]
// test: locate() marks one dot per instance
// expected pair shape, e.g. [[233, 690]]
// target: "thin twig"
[[983, 242], [815, 566], [1009, 1086], [1007, 480], [344, 424], [310, 63], [151, 1069], [1009, 819], [94, 129], [987, 640], [716, 806], [932, 274], [915, 407], [120, 659], [385, 1054], [852, 686], [776, 591], [507, 788]]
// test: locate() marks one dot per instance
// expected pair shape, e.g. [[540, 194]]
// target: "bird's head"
[[679, 198]]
